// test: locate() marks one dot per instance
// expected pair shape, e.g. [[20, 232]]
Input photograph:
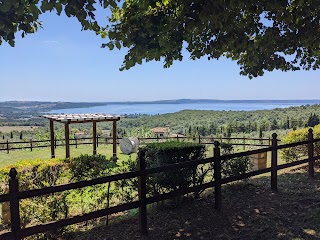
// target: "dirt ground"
[[250, 211]]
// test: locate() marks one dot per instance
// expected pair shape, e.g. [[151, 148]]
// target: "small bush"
[[87, 166], [127, 190], [37, 174], [298, 152], [159, 154], [234, 166]]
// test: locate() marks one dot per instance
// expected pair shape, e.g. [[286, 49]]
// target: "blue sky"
[[63, 63]]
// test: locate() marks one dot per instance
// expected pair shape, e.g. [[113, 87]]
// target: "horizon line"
[[179, 99]]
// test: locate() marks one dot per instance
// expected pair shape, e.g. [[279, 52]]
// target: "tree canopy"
[[22, 16], [261, 35]]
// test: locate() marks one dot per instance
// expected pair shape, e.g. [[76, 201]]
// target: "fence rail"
[[32, 144], [142, 173]]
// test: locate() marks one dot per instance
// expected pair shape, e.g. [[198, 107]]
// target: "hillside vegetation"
[[203, 122], [260, 123]]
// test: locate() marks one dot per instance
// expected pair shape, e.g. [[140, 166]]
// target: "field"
[[44, 153], [8, 129]]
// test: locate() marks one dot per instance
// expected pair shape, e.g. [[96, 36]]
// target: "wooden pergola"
[[67, 119]]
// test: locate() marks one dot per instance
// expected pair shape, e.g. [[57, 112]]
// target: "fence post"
[[14, 203], [310, 153], [217, 176], [244, 143], [274, 162], [142, 190], [8, 146], [177, 137], [31, 145], [199, 139]]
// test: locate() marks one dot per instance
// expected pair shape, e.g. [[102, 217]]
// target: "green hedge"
[[233, 166], [44, 173], [159, 154]]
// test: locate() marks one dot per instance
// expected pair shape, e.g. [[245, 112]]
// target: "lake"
[[161, 108]]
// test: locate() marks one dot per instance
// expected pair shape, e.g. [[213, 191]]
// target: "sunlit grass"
[[45, 153]]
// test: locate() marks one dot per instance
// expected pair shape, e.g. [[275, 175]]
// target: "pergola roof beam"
[[81, 118]]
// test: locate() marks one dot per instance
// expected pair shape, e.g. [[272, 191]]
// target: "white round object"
[[129, 145], [135, 145], [125, 146]]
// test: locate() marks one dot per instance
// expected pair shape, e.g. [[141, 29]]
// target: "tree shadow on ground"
[[250, 210]]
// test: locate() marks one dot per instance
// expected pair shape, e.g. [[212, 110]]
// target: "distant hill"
[[17, 110], [44, 106], [24, 109], [190, 101]]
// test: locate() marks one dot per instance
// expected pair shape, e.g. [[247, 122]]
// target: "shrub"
[[234, 166], [127, 190], [159, 154], [87, 166], [36, 174], [295, 153]]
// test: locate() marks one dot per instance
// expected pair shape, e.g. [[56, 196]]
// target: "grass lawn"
[[44, 153]]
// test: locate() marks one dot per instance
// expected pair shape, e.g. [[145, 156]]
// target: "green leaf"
[[110, 46], [118, 45], [47, 6], [34, 10], [59, 8], [103, 34], [44, 5], [11, 42], [10, 36]]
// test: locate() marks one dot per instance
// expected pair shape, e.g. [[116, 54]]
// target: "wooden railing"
[[142, 173], [16, 145]]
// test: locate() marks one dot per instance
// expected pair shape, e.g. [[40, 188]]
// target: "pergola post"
[[114, 133], [52, 138], [66, 132], [94, 139]]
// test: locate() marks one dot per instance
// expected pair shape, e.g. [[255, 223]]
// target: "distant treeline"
[[200, 122]]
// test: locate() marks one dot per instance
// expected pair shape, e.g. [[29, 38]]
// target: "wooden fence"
[[16, 145], [142, 173]]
